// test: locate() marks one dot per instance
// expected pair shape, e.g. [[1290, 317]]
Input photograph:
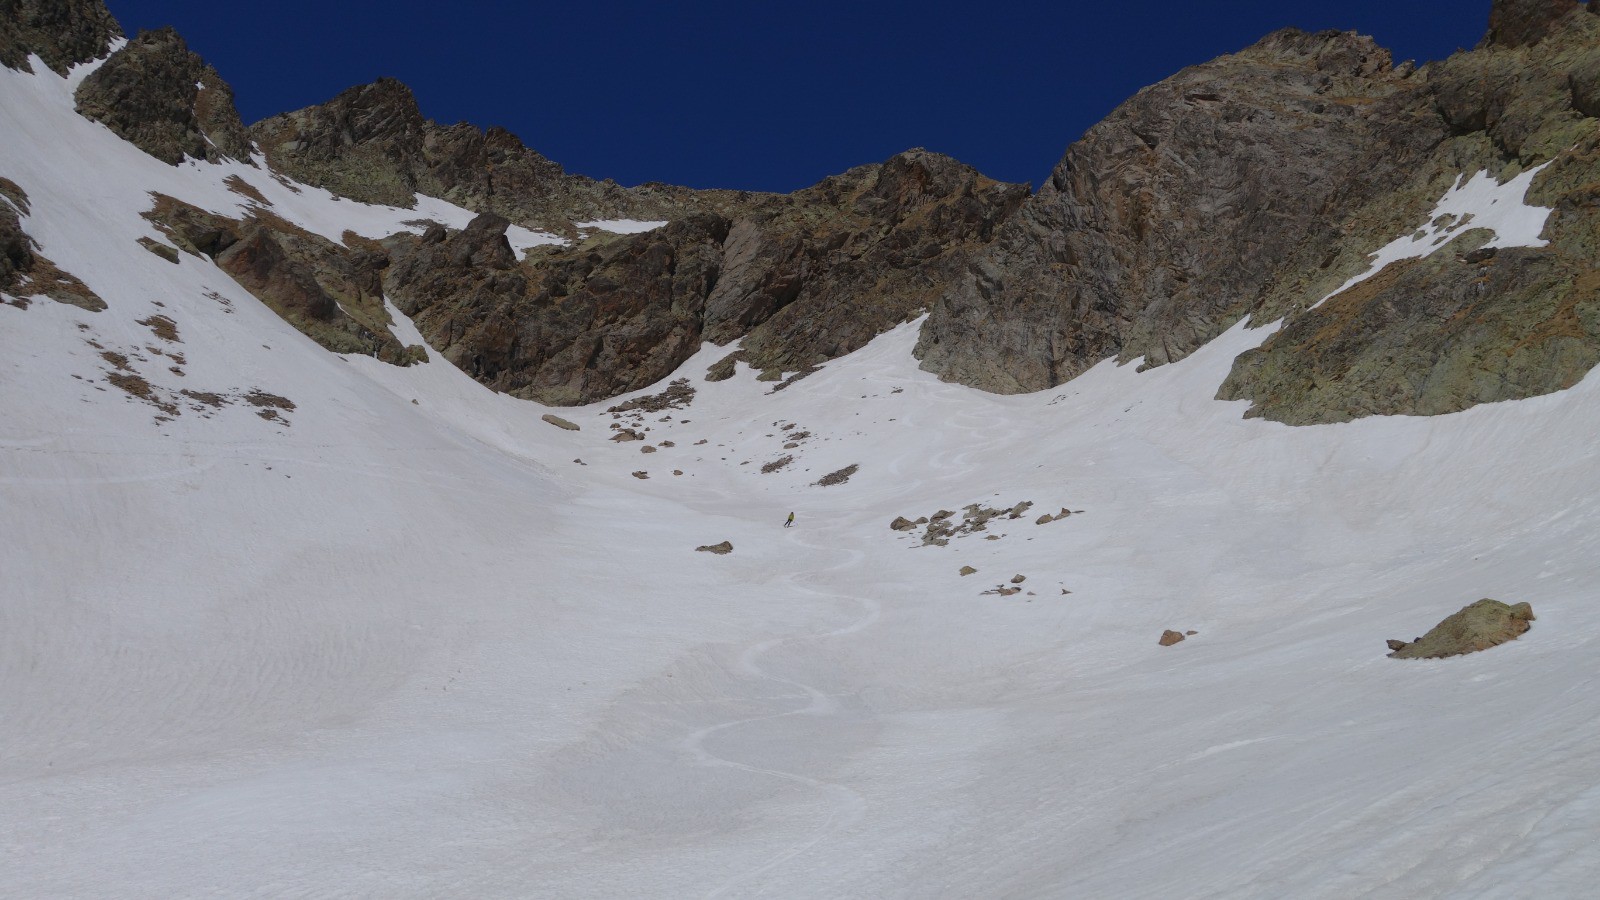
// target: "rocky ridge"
[[1251, 186]]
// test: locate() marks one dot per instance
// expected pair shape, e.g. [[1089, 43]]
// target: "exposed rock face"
[[165, 100], [372, 143], [1520, 23], [1466, 325], [815, 276], [606, 318], [63, 33], [835, 265], [333, 294], [1168, 221], [1478, 626]]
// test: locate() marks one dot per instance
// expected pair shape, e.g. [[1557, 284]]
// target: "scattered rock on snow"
[[901, 523], [559, 422], [1018, 579], [1477, 626], [968, 570], [641, 475], [1170, 637], [722, 549], [1045, 519], [839, 477]]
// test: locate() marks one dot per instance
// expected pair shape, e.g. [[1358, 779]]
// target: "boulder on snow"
[[1477, 626], [722, 549], [1018, 579], [1170, 637], [901, 523], [968, 570], [559, 422]]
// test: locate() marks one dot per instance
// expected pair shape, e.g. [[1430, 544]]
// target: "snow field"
[[400, 648]]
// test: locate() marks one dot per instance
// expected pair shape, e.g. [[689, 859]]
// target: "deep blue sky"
[[756, 95]]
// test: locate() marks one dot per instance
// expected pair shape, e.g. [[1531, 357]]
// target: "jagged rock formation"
[[162, 98], [62, 33], [809, 277], [1172, 218], [371, 143], [330, 292], [1466, 326]]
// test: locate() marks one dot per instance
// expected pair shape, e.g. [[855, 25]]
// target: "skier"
[[790, 522]]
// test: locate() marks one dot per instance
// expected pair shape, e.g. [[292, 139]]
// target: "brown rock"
[[901, 523], [968, 570], [1170, 637], [559, 422], [721, 549]]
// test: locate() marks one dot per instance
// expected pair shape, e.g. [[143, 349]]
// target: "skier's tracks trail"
[[848, 805]]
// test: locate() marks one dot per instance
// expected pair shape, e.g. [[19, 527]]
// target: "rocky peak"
[[1522, 23], [1335, 52], [158, 94], [63, 33]]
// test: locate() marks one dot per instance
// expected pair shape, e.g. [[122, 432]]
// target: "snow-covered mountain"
[[282, 621]]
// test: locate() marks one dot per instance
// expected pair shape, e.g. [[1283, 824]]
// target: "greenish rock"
[[1478, 626], [62, 33], [161, 97], [165, 251]]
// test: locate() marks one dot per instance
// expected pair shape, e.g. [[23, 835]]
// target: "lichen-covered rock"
[[1469, 324], [62, 33], [1169, 220], [165, 100], [1478, 626]]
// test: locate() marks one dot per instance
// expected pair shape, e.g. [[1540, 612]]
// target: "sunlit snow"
[[407, 645]]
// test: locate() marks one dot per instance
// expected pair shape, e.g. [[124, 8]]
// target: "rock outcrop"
[[372, 143], [332, 293], [1469, 324], [804, 279], [62, 33], [1478, 626], [164, 99], [1522, 23], [1175, 216]]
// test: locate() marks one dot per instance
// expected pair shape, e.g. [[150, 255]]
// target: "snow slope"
[[405, 645]]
